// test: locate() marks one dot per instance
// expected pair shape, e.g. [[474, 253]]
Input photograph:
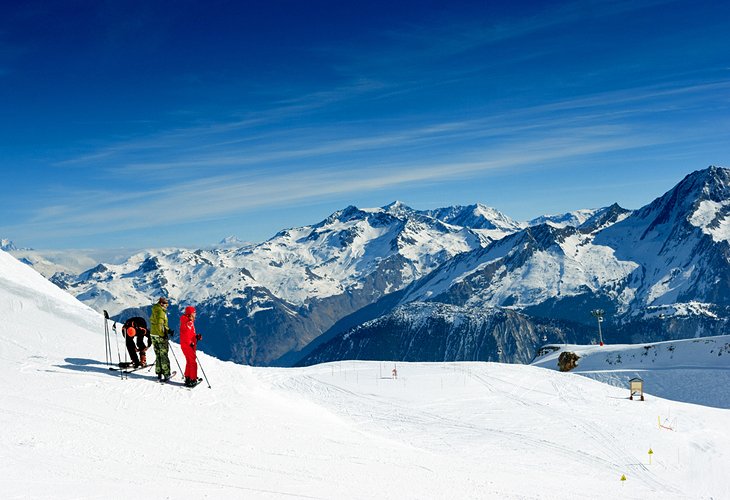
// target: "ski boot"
[[191, 382]]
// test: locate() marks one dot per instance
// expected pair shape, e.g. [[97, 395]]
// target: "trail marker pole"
[[650, 454], [668, 425]]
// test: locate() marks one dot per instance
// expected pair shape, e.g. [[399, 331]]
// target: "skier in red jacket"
[[188, 342]]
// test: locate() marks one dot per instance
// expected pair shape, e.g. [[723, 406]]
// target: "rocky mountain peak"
[[477, 216], [7, 245], [546, 235], [680, 204], [604, 217], [398, 208], [716, 183]]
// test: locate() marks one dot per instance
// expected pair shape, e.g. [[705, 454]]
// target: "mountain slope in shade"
[[431, 331], [341, 430]]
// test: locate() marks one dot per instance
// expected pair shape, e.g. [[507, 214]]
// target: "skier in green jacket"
[[160, 334]]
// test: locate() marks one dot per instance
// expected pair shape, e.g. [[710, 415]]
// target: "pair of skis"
[[126, 369], [149, 367], [172, 375]]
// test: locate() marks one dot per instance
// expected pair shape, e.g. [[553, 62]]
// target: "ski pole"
[[106, 338], [201, 369], [169, 348], [121, 370], [107, 346], [124, 336]]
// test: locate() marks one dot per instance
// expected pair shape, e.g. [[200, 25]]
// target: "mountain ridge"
[[269, 301], [654, 271]]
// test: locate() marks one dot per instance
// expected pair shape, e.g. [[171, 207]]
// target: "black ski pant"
[[132, 347]]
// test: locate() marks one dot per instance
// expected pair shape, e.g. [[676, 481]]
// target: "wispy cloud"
[[227, 147], [251, 128], [220, 196]]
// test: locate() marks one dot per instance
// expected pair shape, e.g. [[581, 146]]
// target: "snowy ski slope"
[[71, 428], [690, 370]]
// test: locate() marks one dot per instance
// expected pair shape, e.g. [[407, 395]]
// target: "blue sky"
[[141, 124]]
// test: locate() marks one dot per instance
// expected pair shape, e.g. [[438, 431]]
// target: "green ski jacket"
[[158, 320]]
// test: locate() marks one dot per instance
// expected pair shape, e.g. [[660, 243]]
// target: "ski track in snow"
[[387, 418]]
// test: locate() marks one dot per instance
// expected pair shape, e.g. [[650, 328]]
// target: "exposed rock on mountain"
[[431, 331]]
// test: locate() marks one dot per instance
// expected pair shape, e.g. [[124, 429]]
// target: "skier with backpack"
[[135, 330], [188, 342], [161, 335]]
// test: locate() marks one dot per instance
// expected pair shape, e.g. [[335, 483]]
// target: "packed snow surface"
[[74, 429], [690, 370]]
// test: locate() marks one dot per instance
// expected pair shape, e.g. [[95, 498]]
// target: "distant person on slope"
[[161, 334], [188, 343], [135, 331]]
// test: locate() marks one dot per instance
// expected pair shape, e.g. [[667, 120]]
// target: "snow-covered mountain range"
[[660, 272], [265, 300], [345, 429]]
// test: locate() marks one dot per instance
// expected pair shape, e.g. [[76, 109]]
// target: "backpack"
[[134, 326]]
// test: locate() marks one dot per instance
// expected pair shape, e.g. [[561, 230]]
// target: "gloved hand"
[[199, 336], [192, 345], [170, 333]]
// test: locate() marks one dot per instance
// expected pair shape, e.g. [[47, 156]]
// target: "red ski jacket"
[[187, 331]]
